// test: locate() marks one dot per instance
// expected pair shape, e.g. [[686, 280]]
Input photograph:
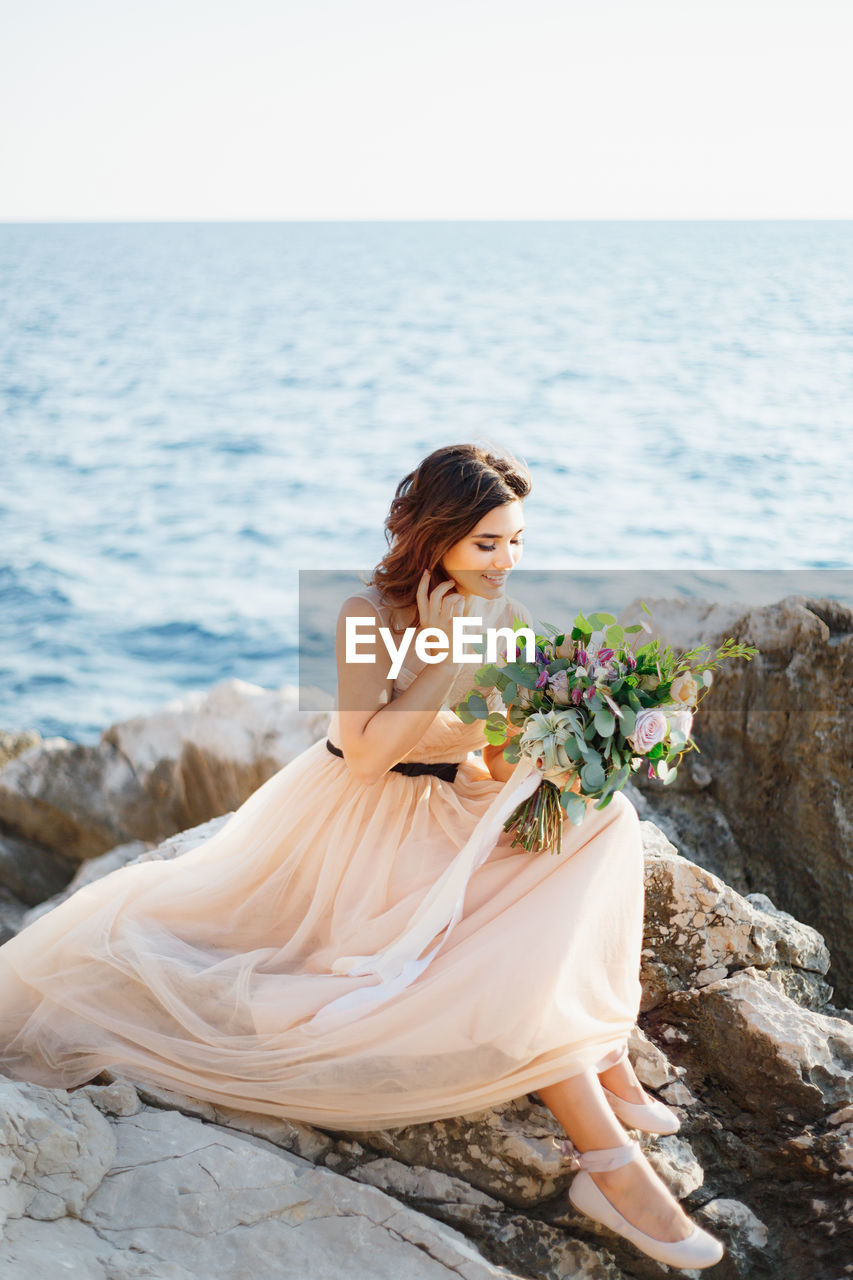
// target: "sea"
[[194, 413]]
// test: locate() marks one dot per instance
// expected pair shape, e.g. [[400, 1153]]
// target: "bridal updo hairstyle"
[[436, 505]]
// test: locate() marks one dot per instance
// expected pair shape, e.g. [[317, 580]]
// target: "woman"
[[245, 971]]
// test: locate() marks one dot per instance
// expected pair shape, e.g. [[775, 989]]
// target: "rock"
[[675, 1161], [417, 1182], [93, 868], [652, 1067], [719, 1212], [772, 1083], [509, 1152], [776, 735], [200, 756], [179, 1199], [698, 930], [752, 1032], [30, 871], [54, 1150], [12, 744], [12, 914]]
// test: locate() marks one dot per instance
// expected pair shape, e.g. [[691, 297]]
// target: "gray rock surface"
[[200, 756], [768, 804], [182, 1199]]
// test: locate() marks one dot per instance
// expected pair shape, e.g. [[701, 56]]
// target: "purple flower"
[[543, 679], [576, 695], [604, 655], [630, 659], [582, 656]]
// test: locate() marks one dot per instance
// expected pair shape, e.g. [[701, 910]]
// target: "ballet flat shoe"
[[699, 1249], [650, 1117]]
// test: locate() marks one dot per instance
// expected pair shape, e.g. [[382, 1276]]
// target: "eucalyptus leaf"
[[604, 721], [617, 780], [524, 674], [478, 706], [486, 675], [575, 807], [592, 775], [627, 721]]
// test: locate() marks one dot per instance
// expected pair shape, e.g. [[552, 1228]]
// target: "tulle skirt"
[[209, 973]]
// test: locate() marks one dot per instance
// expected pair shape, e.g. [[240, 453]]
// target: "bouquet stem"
[[538, 821]]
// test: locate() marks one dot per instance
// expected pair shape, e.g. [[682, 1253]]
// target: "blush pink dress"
[[227, 973]]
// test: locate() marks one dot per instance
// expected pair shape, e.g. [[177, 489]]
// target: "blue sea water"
[[191, 413]]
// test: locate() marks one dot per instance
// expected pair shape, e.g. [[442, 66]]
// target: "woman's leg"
[[635, 1190], [622, 1081]]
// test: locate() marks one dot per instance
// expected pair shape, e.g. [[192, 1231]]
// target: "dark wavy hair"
[[436, 505]]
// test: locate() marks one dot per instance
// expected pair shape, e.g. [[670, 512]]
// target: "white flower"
[[681, 719], [684, 690]]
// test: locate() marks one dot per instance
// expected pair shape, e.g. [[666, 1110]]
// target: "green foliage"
[[478, 706], [592, 736], [604, 721], [575, 807], [592, 775]]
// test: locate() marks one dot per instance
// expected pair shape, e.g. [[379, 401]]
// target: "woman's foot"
[[645, 1200], [623, 1081], [631, 1103]]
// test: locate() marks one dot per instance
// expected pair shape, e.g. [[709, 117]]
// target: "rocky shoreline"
[[743, 1028]]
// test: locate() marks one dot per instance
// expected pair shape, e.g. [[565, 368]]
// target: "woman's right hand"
[[437, 609]]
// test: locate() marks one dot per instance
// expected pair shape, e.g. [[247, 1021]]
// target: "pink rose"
[[650, 727]]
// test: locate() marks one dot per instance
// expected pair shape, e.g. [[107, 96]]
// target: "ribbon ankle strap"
[[601, 1160]]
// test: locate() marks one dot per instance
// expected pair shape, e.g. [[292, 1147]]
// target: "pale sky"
[[336, 109]]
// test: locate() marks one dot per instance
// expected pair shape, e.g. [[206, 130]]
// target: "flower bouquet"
[[588, 711]]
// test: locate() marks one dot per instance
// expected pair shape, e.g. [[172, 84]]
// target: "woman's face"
[[481, 561]]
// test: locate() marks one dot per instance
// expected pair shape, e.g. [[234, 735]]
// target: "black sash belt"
[[413, 769]]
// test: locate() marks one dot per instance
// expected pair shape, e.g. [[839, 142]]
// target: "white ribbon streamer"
[[400, 961]]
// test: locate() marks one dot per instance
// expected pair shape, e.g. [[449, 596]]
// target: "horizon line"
[[306, 220]]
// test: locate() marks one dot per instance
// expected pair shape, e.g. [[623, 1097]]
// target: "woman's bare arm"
[[376, 732]]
